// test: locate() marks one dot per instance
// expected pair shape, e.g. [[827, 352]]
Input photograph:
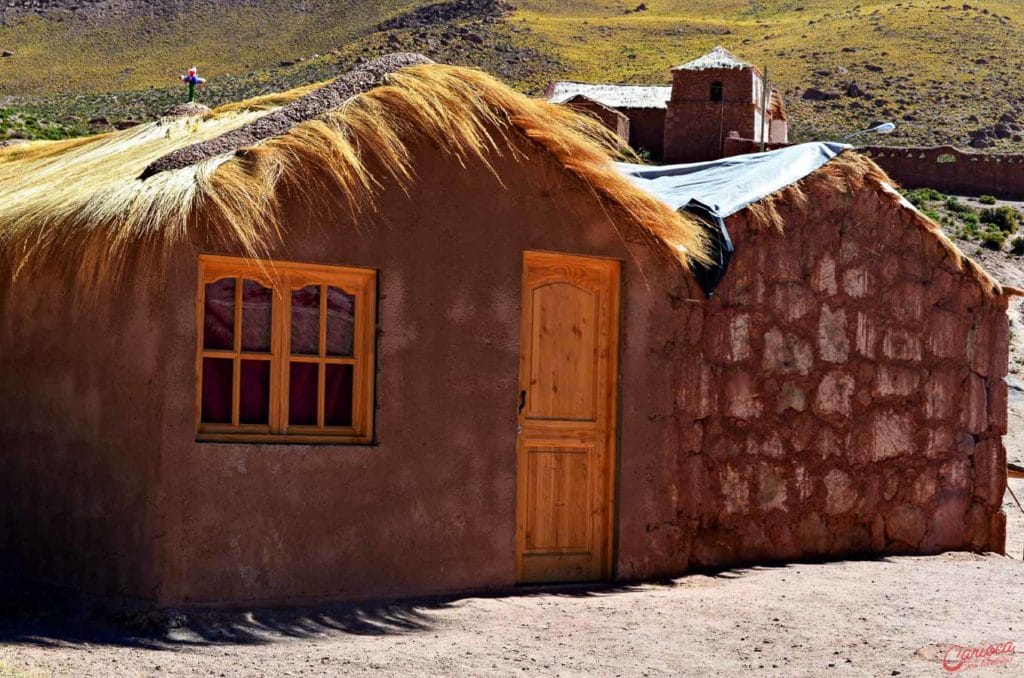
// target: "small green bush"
[[993, 240], [919, 197], [987, 200], [1004, 218], [1017, 245], [954, 205]]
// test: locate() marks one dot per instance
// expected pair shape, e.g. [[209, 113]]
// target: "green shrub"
[[954, 205], [1017, 245], [987, 200], [931, 214], [993, 240], [1004, 218], [919, 197]]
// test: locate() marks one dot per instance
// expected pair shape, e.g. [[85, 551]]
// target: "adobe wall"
[[735, 145], [842, 394], [647, 130], [609, 117], [81, 395], [695, 126], [431, 507], [952, 171]]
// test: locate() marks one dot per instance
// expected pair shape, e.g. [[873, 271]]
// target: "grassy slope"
[[926, 54], [929, 82]]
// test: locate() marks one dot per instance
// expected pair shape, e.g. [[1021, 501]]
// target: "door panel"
[[565, 450], [564, 341]]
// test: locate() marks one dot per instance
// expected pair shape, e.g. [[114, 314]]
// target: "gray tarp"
[[731, 184]]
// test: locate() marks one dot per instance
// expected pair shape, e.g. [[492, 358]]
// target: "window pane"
[[219, 323], [217, 374], [306, 320], [341, 317], [302, 390], [256, 301], [338, 395], [254, 392]]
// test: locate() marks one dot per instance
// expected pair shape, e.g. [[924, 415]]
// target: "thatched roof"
[[82, 204]]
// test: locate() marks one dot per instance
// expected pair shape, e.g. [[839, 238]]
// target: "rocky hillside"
[[944, 72]]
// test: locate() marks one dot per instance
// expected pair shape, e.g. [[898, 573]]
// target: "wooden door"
[[566, 445]]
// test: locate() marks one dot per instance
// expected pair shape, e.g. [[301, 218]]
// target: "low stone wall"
[[943, 168], [842, 394], [949, 170]]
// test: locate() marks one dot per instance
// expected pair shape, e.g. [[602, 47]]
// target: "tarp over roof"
[[614, 96], [731, 184]]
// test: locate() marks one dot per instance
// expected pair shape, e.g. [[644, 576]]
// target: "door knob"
[[522, 401]]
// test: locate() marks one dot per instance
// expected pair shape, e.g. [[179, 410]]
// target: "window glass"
[[256, 310], [341, 316], [217, 387], [716, 91], [254, 392], [302, 394], [338, 395], [306, 321], [219, 312]]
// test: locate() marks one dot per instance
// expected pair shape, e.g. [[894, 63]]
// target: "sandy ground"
[[867, 618]]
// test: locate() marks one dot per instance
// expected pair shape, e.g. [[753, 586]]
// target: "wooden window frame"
[[283, 278]]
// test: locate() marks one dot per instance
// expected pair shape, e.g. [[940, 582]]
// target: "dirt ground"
[[866, 618], [888, 617]]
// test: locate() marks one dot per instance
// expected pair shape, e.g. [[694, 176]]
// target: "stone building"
[[710, 97]]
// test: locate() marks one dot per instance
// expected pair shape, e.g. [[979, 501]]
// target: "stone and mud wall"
[[842, 394], [949, 170]]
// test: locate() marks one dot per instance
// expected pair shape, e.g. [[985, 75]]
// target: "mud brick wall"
[[647, 130], [609, 117], [695, 126], [946, 169], [842, 394]]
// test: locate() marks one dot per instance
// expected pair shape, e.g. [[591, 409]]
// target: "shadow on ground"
[[52, 616]]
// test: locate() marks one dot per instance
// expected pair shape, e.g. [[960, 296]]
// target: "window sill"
[[279, 439]]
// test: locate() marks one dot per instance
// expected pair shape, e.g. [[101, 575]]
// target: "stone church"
[[710, 98]]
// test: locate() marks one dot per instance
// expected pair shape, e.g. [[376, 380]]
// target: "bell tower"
[[712, 96]]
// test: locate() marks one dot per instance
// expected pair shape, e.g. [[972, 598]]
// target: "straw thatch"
[[80, 204]]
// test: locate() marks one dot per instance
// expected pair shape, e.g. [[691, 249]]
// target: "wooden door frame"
[[612, 442]]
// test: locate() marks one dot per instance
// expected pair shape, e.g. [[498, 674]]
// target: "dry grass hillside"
[[945, 71]]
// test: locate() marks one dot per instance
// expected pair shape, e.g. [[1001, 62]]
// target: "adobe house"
[[433, 340], [614, 120], [711, 97], [643, 105]]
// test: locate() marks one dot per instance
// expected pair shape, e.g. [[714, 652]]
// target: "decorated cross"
[[193, 81]]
